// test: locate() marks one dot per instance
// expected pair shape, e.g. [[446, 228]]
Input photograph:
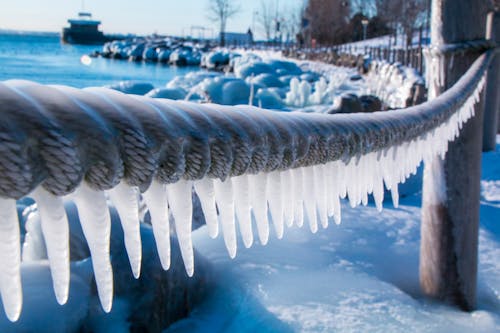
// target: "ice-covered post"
[[492, 98], [450, 200]]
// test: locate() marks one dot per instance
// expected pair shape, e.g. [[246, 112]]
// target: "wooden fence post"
[[492, 98], [450, 198]]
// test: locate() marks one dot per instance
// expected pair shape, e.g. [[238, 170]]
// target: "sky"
[[175, 17]]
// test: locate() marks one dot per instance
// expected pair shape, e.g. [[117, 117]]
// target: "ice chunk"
[[10, 260], [156, 200], [96, 225], [56, 234], [125, 198], [225, 203], [180, 202]]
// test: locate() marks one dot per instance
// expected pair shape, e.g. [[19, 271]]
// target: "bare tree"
[[328, 20], [292, 21], [403, 15], [266, 17], [221, 11]]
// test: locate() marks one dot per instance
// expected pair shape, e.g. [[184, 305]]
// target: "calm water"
[[44, 59]]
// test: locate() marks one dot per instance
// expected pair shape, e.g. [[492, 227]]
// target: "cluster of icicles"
[[288, 197]]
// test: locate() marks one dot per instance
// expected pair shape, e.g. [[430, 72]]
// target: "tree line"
[[331, 22]]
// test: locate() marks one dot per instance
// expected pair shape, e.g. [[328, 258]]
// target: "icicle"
[[287, 191], [309, 198], [275, 199], [156, 200], [320, 194], [225, 203], [258, 184], [395, 195], [181, 204], [336, 174], [56, 234], [342, 179], [205, 190], [351, 182], [329, 182], [298, 205], [241, 191], [10, 260], [125, 200], [378, 185], [96, 225]]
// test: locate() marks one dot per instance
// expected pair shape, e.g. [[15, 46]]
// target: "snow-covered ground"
[[360, 276]]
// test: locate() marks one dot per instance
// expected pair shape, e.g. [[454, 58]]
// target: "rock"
[[269, 99], [350, 103], [168, 93], [370, 103], [132, 87], [355, 77], [267, 80]]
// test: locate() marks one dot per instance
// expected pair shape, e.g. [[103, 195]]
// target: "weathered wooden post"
[[492, 98], [450, 199]]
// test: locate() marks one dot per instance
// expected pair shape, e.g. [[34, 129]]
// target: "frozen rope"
[[57, 140]]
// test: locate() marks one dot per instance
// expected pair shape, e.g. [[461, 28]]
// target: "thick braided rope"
[[475, 46], [57, 136]]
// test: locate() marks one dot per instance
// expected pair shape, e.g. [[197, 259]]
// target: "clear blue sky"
[[128, 16]]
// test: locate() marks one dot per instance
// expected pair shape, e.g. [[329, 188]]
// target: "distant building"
[[236, 38]]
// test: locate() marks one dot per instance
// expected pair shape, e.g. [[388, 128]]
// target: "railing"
[[349, 55], [58, 141]]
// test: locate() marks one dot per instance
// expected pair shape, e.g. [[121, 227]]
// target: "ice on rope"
[[288, 196], [241, 193], [96, 225], [126, 201], [225, 203], [10, 260], [205, 190], [156, 200], [55, 231], [180, 202]]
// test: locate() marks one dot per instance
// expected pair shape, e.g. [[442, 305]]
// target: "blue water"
[[44, 59]]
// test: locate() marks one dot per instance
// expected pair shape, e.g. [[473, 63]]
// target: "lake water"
[[43, 58]]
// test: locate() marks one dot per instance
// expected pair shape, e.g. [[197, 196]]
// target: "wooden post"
[[450, 199], [492, 99]]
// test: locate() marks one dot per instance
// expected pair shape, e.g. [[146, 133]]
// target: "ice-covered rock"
[[169, 93], [132, 87]]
